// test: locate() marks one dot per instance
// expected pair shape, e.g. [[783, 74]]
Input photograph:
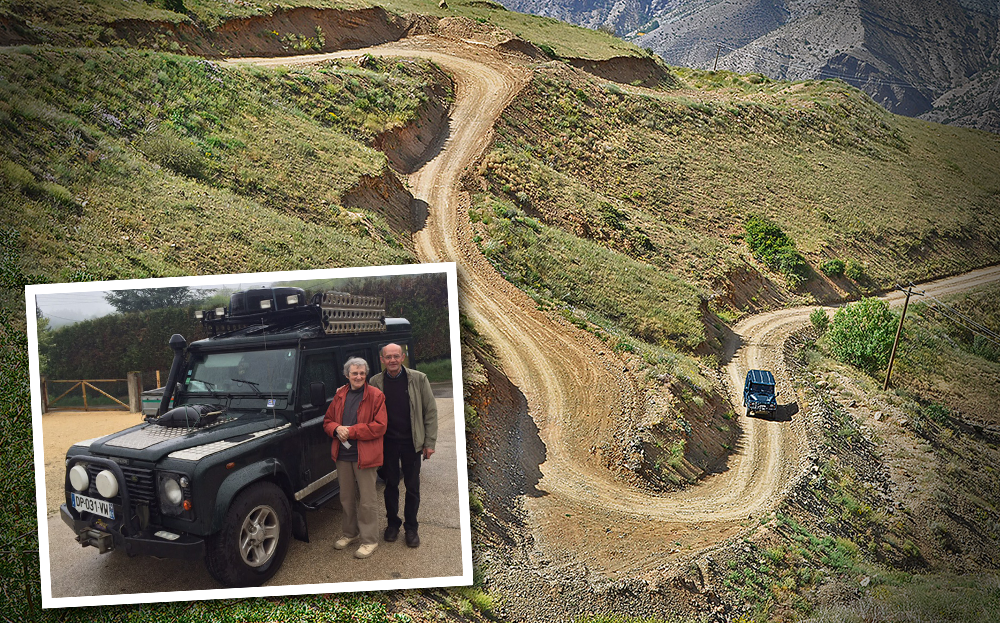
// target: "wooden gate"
[[99, 398]]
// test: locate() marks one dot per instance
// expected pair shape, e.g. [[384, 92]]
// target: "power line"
[[986, 334], [969, 320]]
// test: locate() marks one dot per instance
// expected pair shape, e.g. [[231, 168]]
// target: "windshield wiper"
[[211, 387], [252, 385]]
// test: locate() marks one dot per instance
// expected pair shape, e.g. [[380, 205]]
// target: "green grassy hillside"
[[666, 181], [117, 164]]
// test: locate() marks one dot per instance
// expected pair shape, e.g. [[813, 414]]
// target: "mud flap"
[[300, 528]]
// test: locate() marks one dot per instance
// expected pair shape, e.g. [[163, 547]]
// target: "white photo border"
[[48, 601]]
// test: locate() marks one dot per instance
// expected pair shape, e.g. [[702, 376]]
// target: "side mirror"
[[317, 393]]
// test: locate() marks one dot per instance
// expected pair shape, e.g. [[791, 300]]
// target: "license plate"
[[93, 505]]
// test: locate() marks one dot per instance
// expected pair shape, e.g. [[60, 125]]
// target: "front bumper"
[[144, 543]]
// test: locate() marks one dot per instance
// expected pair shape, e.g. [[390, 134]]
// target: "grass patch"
[[972, 598], [941, 359], [77, 22], [569, 273], [438, 371]]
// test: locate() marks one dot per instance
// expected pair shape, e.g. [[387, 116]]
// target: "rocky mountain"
[[934, 59]]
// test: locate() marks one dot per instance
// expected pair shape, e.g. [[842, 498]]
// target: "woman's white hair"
[[352, 362]]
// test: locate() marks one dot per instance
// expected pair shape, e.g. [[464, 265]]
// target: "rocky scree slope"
[[924, 58]]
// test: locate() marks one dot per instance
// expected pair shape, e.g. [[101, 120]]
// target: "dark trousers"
[[398, 458]]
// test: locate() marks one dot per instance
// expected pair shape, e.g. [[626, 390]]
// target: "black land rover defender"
[[229, 472]]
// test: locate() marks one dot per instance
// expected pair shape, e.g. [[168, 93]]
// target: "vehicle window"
[[247, 372], [319, 367]]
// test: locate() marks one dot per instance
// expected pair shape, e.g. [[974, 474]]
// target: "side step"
[[321, 496]]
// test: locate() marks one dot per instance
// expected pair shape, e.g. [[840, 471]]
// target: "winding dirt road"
[[577, 393]]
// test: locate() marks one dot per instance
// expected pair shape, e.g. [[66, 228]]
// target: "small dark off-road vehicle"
[[758, 393], [229, 473]]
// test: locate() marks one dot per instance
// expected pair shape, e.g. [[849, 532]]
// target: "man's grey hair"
[[352, 362]]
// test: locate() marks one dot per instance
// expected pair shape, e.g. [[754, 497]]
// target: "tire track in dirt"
[[577, 393]]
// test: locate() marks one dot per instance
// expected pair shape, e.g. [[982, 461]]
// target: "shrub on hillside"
[[819, 319], [862, 333], [854, 271], [833, 268], [168, 149], [771, 245]]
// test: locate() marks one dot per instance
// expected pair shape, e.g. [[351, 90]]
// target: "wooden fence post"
[[45, 395], [135, 392]]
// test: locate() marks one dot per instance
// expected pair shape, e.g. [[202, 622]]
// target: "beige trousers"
[[360, 517]]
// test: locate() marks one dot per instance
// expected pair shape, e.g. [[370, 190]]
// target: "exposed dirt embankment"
[[409, 146], [504, 449], [15, 32], [640, 71], [385, 195], [284, 32]]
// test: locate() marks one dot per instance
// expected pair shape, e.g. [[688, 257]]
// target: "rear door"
[[317, 466]]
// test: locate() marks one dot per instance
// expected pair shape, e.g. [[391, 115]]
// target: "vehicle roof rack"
[[336, 312], [348, 313]]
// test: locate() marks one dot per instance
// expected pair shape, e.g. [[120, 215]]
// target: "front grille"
[[139, 482]]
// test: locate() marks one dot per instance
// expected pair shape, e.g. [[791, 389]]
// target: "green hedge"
[[110, 347]]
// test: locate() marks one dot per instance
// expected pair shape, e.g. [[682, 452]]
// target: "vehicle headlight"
[[79, 478], [172, 491], [107, 484]]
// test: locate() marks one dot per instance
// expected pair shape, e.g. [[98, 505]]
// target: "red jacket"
[[372, 421]]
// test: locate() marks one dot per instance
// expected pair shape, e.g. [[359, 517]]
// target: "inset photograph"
[[249, 435]]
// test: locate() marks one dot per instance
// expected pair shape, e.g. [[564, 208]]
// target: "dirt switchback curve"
[[576, 391]]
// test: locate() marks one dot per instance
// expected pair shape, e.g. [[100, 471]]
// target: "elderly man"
[[409, 438], [356, 419]]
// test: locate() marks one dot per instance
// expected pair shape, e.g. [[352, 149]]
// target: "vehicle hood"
[[152, 442], [761, 398]]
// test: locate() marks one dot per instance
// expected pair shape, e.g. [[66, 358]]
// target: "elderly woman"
[[356, 420]]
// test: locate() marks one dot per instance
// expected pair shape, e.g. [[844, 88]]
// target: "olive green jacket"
[[423, 407]]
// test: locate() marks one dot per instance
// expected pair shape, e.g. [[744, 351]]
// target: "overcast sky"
[[69, 307]]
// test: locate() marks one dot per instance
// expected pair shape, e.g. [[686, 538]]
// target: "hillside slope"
[[119, 163]]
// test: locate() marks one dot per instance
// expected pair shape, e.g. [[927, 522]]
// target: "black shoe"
[[412, 539], [391, 533]]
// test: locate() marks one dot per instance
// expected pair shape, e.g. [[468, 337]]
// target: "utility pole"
[[718, 48], [899, 330]]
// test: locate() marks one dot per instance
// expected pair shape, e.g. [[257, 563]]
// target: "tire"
[[748, 411], [254, 538]]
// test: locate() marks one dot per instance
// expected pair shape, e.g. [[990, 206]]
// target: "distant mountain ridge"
[[934, 59]]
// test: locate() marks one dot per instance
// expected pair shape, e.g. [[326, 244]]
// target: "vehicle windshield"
[[257, 372], [757, 388]]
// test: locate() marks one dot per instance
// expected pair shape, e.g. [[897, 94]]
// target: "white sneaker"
[[344, 541], [365, 550]]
